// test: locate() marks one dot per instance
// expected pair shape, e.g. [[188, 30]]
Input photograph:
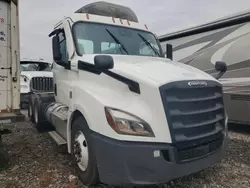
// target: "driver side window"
[[63, 47]]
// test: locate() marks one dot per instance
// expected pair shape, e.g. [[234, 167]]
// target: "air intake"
[[103, 8]]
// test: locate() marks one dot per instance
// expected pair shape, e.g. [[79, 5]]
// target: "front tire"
[[83, 153]]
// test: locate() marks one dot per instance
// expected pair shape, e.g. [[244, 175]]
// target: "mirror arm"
[[59, 62], [68, 65], [219, 75], [64, 64]]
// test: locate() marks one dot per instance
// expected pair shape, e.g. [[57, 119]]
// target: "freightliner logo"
[[197, 83]]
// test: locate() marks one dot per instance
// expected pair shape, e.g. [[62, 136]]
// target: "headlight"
[[25, 78], [127, 124]]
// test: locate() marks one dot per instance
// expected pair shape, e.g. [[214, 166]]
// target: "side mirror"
[[169, 51], [56, 49], [104, 62], [57, 56], [221, 67]]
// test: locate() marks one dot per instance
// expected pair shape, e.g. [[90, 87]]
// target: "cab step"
[[57, 138]]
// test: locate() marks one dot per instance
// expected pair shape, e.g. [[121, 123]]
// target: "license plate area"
[[198, 152]]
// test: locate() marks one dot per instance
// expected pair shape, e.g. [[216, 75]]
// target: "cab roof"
[[85, 17], [105, 13], [103, 8]]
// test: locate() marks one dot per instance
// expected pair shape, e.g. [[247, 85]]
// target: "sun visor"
[[103, 8]]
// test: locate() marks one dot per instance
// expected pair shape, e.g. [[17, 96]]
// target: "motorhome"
[[226, 39], [126, 114]]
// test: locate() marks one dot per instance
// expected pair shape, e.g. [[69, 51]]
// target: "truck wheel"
[[83, 153], [39, 119], [3, 157], [30, 111]]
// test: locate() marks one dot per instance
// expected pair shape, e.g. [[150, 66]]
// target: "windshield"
[[93, 38], [35, 66]]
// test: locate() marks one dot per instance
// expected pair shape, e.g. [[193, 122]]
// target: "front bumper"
[[134, 163]]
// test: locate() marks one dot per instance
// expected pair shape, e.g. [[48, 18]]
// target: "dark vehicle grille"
[[194, 114], [42, 84]]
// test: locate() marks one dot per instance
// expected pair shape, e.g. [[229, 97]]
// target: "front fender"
[[91, 100], [90, 103]]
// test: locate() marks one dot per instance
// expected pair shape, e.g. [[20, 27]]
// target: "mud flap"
[[3, 156]]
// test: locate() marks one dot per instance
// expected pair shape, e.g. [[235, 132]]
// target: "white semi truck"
[[225, 39], [9, 70], [127, 114], [35, 76]]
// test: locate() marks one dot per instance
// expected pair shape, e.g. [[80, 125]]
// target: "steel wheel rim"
[[81, 151]]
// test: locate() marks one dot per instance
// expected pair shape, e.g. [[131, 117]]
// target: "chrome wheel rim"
[[81, 151]]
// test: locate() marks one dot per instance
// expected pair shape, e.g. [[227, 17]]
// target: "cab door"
[[60, 74]]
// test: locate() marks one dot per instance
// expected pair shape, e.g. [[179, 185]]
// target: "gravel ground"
[[35, 162]]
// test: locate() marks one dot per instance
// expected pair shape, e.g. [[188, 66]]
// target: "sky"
[[37, 18]]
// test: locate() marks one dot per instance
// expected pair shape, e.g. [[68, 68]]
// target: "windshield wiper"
[[117, 41], [148, 44]]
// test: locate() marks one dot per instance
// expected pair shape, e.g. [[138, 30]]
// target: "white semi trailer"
[[226, 39], [9, 70], [127, 114]]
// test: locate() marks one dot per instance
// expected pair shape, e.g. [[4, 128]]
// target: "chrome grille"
[[42, 84], [193, 113]]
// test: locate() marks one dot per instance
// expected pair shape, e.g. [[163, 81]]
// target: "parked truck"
[[35, 76], [9, 70], [127, 114], [226, 39]]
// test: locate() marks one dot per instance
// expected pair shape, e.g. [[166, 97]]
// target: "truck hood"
[[31, 74], [158, 70]]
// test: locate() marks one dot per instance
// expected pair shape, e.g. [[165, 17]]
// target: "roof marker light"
[[128, 22], [121, 21], [146, 26], [87, 16]]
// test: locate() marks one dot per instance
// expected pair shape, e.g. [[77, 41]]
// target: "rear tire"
[[3, 155], [30, 111], [39, 118], [86, 165]]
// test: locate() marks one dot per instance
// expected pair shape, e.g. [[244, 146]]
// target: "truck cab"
[[127, 114], [35, 76]]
